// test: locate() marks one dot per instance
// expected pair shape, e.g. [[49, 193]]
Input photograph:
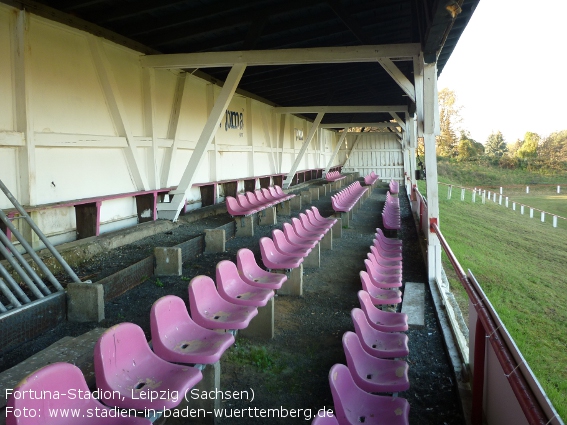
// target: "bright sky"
[[509, 69]]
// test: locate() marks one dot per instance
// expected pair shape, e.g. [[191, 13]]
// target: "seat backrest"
[[354, 352], [343, 389], [279, 238], [227, 275], [360, 322], [203, 294], [166, 314], [365, 280], [122, 347], [56, 377], [246, 263]]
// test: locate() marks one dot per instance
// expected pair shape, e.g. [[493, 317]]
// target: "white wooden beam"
[[430, 100], [12, 139], [398, 77], [171, 210], [400, 121], [418, 79], [360, 124], [250, 136], [23, 110], [213, 153], [148, 75], [306, 142], [117, 110], [336, 151], [173, 128], [268, 138], [340, 109], [283, 121], [283, 57]]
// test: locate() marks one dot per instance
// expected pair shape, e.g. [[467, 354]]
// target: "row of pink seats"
[[126, 368], [394, 186], [252, 202], [347, 198], [372, 350], [371, 178], [334, 176], [287, 249], [391, 213]]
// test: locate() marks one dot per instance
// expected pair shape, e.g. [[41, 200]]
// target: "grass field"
[[521, 264]]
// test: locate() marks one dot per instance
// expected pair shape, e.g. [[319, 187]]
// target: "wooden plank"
[[313, 55]]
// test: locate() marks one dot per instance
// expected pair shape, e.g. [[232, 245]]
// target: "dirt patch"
[[291, 371]]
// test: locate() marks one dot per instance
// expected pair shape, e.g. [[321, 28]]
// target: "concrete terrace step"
[[78, 351], [414, 304]]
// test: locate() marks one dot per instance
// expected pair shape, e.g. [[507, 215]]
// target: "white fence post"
[[500, 199], [462, 194], [449, 190], [522, 209], [558, 189], [555, 219], [506, 202], [494, 199], [542, 217], [500, 190], [527, 189], [484, 197], [531, 213], [474, 196], [514, 206]]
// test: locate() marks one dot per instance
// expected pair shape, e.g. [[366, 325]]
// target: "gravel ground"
[[291, 370]]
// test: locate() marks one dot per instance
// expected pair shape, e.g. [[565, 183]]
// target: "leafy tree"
[[495, 146], [449, 118], [468, 149], [528, 148], [552, 152]]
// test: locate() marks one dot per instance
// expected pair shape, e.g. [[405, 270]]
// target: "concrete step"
[[413, 304], [78, 351]]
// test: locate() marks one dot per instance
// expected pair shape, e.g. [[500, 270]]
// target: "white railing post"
[[494, 198], [462, 194], [474, 196], [555, 219], [449, 190], [506, 202], [542, 217], [499, 199], [527, 189], [500, 190], [531, 213], [558, 189], [522, 209], [484, 196], [514, 206]]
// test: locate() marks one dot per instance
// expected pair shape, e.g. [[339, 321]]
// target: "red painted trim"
[[478, 374]]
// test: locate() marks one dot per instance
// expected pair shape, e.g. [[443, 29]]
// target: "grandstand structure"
[[116, 113]]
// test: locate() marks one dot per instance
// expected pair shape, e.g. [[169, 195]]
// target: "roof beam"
[[283, 56], [398, 76], [361, 124], [400, 121], [339, 109]]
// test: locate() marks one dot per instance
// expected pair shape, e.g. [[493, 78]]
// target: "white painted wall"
[[80, 151], [378, 152]]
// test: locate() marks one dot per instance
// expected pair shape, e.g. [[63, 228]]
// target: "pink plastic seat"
[[379, 296], [61, 378], [385, 345], [384, 321], [244, 203], [124, 364], [379, 280], [322, 219], [388, 255], [233, 289], [303, 232], [311, 226], [323, 418], [286, 247], [372, 374], [327, 224], [386, 246], [254, 201], [177, 338], [263, 200], [292, 236], [385, 262], [211, 311], [276, 195], [235, 209], [280, 191], [354, 405], [252, 274], [274, 259], [390, 241]]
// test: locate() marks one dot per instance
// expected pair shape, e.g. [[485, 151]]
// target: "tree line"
[[534, 152]]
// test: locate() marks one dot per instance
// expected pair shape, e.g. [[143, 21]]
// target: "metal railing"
[[530, 397], [35, 285]]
